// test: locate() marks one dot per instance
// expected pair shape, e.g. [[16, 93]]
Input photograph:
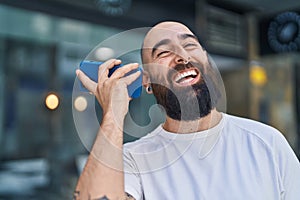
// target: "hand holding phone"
[[90, 68]]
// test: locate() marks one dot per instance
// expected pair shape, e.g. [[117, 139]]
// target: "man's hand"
[[111, 92]]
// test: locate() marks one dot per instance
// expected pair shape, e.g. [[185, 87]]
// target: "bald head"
[[168, 29], [168, 26]]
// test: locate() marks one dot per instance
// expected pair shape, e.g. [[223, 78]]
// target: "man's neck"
[[183, 127]]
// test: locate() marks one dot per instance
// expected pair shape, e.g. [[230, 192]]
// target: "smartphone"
[[90, 68]]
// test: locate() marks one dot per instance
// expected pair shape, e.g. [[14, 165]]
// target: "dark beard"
[[190, 104], [187, 103]]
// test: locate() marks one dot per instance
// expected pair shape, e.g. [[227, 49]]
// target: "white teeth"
[[185, 74]]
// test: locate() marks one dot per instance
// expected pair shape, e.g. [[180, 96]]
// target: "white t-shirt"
[[237, 159]]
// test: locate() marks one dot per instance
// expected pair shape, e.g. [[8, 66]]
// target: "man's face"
[[170, 44], [177, 66]]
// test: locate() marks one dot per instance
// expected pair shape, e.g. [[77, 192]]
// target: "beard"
[[189, 102]]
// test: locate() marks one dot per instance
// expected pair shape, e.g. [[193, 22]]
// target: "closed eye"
[[190, 45], [163, 53]]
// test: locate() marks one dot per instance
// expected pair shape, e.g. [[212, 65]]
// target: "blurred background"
[[255, 44]]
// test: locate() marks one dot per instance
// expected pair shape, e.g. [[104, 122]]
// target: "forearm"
[[103, 173]]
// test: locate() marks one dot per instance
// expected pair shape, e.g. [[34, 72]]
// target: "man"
[[198, 152]]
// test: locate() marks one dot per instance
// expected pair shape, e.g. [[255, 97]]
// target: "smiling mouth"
[[187, 77]]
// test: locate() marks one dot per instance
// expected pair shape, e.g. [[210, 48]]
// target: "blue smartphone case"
[[90, 68]]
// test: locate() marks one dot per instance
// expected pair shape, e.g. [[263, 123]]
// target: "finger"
[[122, 71], [104, 69], [89, 84], [132, 77]]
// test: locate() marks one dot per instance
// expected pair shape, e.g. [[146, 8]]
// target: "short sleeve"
[[289, 169], [132, 177]]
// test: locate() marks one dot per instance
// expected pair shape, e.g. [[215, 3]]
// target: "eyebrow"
[[160, 43], [187, 35]]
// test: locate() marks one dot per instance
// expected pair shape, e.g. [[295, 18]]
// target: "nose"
[[182, 57]]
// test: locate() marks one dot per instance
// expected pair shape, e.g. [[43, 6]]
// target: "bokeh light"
[[258, 75], [80, 103], [104, 53], [52, 101]]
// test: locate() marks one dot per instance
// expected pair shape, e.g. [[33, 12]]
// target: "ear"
[[147, 82]]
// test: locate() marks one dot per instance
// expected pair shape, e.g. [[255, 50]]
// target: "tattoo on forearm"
[[76, 196]]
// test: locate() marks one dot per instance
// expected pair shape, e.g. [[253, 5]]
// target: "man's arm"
[[103, 176]]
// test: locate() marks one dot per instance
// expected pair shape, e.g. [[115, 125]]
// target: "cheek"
[[159, 70], [158, 74], [199, 55], [200, 58], [164, 62]]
